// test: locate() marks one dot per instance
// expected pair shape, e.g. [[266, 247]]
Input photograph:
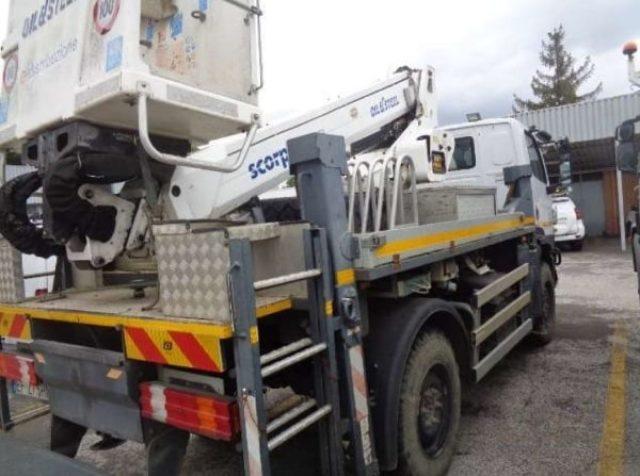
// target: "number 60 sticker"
[[105, 14]]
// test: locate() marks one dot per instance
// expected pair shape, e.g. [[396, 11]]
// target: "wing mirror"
[[627, 149], [566, 173]]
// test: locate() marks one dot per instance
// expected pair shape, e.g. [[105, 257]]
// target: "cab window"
[[537, 165], [464, 156]]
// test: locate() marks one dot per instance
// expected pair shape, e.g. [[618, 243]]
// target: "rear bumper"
[[574, 233], [567, 238], [103, 391]]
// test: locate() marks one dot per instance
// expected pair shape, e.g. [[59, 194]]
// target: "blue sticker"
[[176, 25], [204, 5], [114, 53], [150, 31], [4, 110]]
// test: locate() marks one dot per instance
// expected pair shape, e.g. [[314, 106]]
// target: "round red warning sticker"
[[10, 74], [105, 14]]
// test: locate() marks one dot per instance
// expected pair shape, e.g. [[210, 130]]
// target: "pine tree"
[[560, 84]]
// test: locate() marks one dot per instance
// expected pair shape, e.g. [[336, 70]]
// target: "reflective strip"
[[204, 414], [15, 326], [275, 308], [254, 335], [174, 348], [449, 237], [219, 331], [328, 308], [252, 434], [346, 277], [360, 395]]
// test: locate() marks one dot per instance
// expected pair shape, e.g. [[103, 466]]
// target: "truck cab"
[[484, 148]]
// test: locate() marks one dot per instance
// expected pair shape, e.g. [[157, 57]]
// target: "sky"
[[483, 51]]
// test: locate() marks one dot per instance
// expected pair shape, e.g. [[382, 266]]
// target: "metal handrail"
[[286, 279], [368, 202], [383, 190], [398, 196], [355, 189], [189, 160], [389, 190]]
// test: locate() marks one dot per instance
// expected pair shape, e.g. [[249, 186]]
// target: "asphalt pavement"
[[571, 408]]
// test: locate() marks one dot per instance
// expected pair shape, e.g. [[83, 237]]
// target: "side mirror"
[[627, 157], [566, 175], [626, 150]]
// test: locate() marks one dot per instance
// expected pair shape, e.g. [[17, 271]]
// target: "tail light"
[[19, 368], [578, 214], [208, 415]]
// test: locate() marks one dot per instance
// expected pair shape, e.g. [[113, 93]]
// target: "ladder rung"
[[286, 350], [299, 427], [286, 279], [293, 359], [292, 414]]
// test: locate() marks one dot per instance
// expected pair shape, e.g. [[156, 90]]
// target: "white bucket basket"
[[197, 60]]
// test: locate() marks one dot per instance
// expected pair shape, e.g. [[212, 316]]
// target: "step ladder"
[[259, 435]]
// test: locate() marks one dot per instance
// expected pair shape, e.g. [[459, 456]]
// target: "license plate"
[[35, 391]]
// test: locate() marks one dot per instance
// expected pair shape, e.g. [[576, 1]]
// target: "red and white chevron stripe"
[[252, 434], [360, 393]]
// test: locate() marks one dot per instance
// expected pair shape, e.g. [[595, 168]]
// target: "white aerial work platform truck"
[[180, 308]]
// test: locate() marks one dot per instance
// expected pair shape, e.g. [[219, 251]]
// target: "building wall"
[[610, 186], [596, 195]]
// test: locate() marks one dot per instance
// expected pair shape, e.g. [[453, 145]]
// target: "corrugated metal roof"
[[585, 121]]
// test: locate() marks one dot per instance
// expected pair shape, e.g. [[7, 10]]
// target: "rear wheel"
[[429, 407]]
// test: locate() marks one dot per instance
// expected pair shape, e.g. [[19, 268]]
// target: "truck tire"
[[429, 408], [545, 324]]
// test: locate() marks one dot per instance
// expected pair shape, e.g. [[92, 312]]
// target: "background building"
[[591, 126]]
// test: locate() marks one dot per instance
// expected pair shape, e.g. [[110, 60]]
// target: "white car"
[[569, 228]]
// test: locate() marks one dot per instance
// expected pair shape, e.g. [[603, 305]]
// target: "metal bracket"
[[349, 247], [373, 241]]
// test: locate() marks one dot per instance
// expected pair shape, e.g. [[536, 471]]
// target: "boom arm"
[[367, 120]]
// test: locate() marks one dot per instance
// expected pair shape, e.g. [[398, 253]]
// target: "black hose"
[[72, 215], [15, 225]]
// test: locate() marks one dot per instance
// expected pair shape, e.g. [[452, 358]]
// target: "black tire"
[[577, 245], [545, 324], [429, 408]]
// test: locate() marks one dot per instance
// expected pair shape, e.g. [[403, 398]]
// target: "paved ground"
[[541, 411]]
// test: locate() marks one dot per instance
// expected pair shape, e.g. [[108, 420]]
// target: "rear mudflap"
[[94, 388]]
